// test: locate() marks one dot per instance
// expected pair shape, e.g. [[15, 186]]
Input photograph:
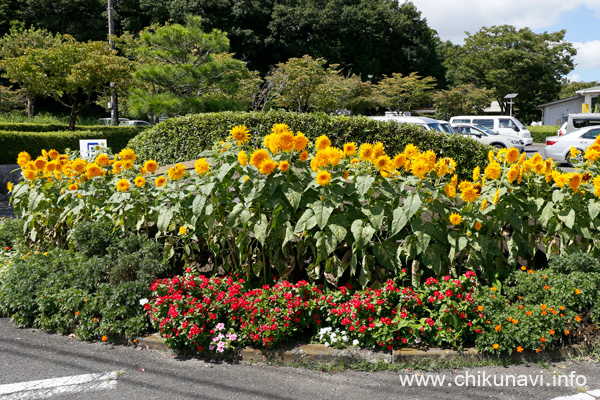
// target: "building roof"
[[592, 90], [560, 101]]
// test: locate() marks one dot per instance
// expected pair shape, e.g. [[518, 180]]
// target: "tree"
[[70, 72], [506, 60], [183, 70], [18, 42], [403, 93], [569, 89], [461, 100]]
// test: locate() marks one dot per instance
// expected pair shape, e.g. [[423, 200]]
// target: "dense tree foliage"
[[462, 100], [183, 70], [506, 60], [569, 89], [399, 93]]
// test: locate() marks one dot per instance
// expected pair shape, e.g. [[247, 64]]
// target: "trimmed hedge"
[[184, 138], [13, 142], [540, 133], [20, 127]]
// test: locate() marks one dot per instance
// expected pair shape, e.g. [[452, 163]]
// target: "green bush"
[[14, 142], [11, 233], [576, 262], [91, 292], [183, 139], [21, 127], [540, 133]]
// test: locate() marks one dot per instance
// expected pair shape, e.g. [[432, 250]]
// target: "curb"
[[320, 353]]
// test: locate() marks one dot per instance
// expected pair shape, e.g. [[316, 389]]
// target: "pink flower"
[[220, 326]]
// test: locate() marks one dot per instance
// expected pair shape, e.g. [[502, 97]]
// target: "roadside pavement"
[[93, 368]]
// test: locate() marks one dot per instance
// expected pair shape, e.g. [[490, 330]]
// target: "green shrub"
[[576, 262], [11, 233], [14, 142], [183, 139], [540, 133], [89, 292]]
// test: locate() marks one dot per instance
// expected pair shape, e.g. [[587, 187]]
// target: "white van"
[[429, 124], [578, 121], [501, 124]]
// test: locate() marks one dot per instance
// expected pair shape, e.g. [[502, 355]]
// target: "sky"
[[580, 18]]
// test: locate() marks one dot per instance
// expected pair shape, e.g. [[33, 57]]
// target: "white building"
[[556, 112]]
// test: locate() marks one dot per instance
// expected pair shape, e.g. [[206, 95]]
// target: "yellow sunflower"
[[240, 133], [151, 166], [323, 178], [455, 219], [122, 185], [201, 166], [139, 181]]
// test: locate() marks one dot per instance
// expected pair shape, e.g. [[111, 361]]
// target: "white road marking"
[[589, 395], [45, 388]]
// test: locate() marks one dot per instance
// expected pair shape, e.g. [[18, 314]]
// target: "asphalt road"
[[28, 355]]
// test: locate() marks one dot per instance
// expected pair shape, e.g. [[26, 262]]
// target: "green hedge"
[[182, 139], [539, 133], [20, 127], [13, 142]]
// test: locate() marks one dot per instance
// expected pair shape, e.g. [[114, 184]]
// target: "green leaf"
[[306, 222], [569, 219], [375, 213], [198, 205], [234, 214], [547, 214], [224, 170], [260, 229], [292, 195], [322, 213], [338, 231], [164, 219], [326, 245], [386, 254], [404, 213], [364, 183], [363, 233], [594, 209], [289, 233]]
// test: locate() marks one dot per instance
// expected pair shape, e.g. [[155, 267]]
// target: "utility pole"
[[114, 109]]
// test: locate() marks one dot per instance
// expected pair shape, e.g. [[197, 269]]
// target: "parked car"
[[107, 121], [559, 147], [578, 121], [446, 127], [562, 130], [429, 124], [502, 124], [484, 135], [135, 122]]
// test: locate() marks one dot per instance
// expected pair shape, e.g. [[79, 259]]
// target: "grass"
[[43, 118]]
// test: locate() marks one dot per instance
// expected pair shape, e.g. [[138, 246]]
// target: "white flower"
[[143, 302], [326, 344], [355, 342], [417, 340]]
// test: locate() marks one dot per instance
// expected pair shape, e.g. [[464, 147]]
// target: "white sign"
[[89, 147]]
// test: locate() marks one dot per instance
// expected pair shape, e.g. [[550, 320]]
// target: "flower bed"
[[302, 210]]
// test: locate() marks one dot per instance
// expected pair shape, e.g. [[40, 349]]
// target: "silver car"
[[484, 135], [559, 147]]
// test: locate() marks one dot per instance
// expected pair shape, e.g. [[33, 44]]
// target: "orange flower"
[[543, 306], [538, 350], [544, 312], [480, 308], [515, 321], [543, 339], [76, 313], [498, 327], [521, 306], [552, 331], [578, 318], [494, 288], [495, 346], [577, 291], [547, 287], [530, 271], [104, 338], [528, 313], [567, 332], [519, 349], [523, 267], [562, 307]]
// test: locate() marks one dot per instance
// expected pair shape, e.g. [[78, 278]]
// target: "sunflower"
[[201, 166], [93, 170], [450, 190], [9, 186], [40, 163], [476, 173], [72, 187], [29, 174], [574, 182], [285, 141], [102, 159], [182, 230], [151, 166], [258, 157], [469, 194], [300, 141], [384, 163], [483, 204], [78, 165], [513, 173], [284, 166], [51, 166], [323, 178], [365, 153], [420, 168], [349, 149], [399, 160], [53, 154], [177, 172], [160, 181], [304, 156], [127, 154], [496, 196], [493, 170], [267, 166], [117, 167], [23, 158], [242, 158], [477, 225], [378, 150], [240, 133], [455, 219], [322, 142], [512, 155], [139, 181], [122, 185], [411, 151]]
